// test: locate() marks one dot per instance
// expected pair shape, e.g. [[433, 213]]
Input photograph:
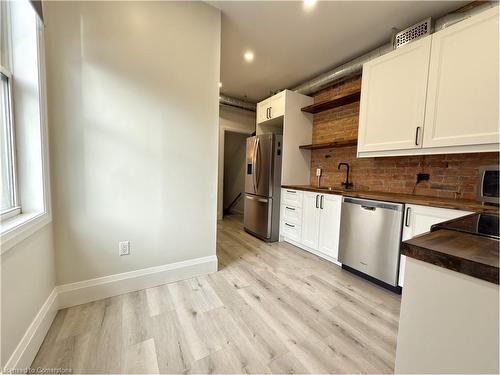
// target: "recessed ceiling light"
[[248, 56], [220, 84], [309, 3]]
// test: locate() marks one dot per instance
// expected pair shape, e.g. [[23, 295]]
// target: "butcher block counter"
[[457, 204], [466, 253]]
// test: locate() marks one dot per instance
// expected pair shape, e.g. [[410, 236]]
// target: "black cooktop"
[[479, 224]]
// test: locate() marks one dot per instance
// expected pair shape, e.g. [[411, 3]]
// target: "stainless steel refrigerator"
[[263, 186]]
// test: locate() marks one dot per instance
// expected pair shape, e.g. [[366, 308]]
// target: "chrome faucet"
[[346, 184]]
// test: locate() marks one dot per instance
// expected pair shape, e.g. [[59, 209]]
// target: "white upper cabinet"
[[393, 96], [263, 110], [462, 98], [436, 95], [271, 108], [277, 105]]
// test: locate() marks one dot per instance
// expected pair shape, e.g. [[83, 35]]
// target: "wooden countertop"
[[458, 204], [466, 253]]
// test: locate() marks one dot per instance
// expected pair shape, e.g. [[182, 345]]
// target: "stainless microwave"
[[487, 190]]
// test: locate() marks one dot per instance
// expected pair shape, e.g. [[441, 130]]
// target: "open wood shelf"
[[336, 144], [330, 104]]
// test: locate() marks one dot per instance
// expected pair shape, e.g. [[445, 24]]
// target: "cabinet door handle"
[[290, 225], [317, 204], [321, 202], [270, 112], [290, 208], [407, 218], [417, 135]]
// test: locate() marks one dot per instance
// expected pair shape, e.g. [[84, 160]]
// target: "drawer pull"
[[290, 225], [291, 191], [290, 208]]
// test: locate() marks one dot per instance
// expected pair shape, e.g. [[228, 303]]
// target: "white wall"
[[234, 169], [133, 114], [28, 277], [236, 120]]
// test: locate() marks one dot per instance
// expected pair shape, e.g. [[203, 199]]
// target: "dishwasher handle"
[[368, 208]]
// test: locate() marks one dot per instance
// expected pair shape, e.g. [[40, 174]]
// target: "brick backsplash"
[[453, 175]]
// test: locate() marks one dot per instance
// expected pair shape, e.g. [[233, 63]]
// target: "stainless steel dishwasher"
[[370, 237]]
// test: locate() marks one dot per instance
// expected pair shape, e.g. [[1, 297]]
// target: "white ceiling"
[[292, 44]]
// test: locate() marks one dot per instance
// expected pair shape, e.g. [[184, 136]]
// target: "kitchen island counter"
[[466, 253]]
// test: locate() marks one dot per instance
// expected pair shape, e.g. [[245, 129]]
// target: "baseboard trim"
[[108, 286], [26, 350], [73, 294], [312, 251]]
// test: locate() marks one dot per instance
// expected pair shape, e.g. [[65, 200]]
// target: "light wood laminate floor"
[[271, 308]]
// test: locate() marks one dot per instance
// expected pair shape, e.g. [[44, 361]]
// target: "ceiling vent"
[[413, 33]]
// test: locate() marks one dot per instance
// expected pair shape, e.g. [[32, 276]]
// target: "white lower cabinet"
[[319, 226], [310, 220], [418, 220], [329, 225], [291, 231]]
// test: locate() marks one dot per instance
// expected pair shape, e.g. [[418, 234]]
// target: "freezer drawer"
[[370, 237], [258, 214]]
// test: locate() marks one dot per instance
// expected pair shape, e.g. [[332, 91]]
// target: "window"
[[24, 184], [9, 203]]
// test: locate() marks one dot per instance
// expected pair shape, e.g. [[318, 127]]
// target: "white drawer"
[[291, 231], [290, 214], [291, 197]]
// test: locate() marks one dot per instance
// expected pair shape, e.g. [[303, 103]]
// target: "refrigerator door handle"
[[254, 161], [258, 169]]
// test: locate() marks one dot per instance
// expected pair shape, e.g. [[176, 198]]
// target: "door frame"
[[220, 178]]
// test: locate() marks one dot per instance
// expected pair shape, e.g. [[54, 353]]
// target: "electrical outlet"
[[124, 248], [423, 177]]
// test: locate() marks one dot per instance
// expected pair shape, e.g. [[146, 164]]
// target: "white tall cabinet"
[[418, 220], [281, 114], [435, 95]]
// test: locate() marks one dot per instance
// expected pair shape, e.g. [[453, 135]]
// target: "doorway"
[[234, 172]]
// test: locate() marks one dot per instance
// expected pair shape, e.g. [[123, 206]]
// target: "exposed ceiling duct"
[[341, 72], [460, 15], [238, 103], [355, 66]]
